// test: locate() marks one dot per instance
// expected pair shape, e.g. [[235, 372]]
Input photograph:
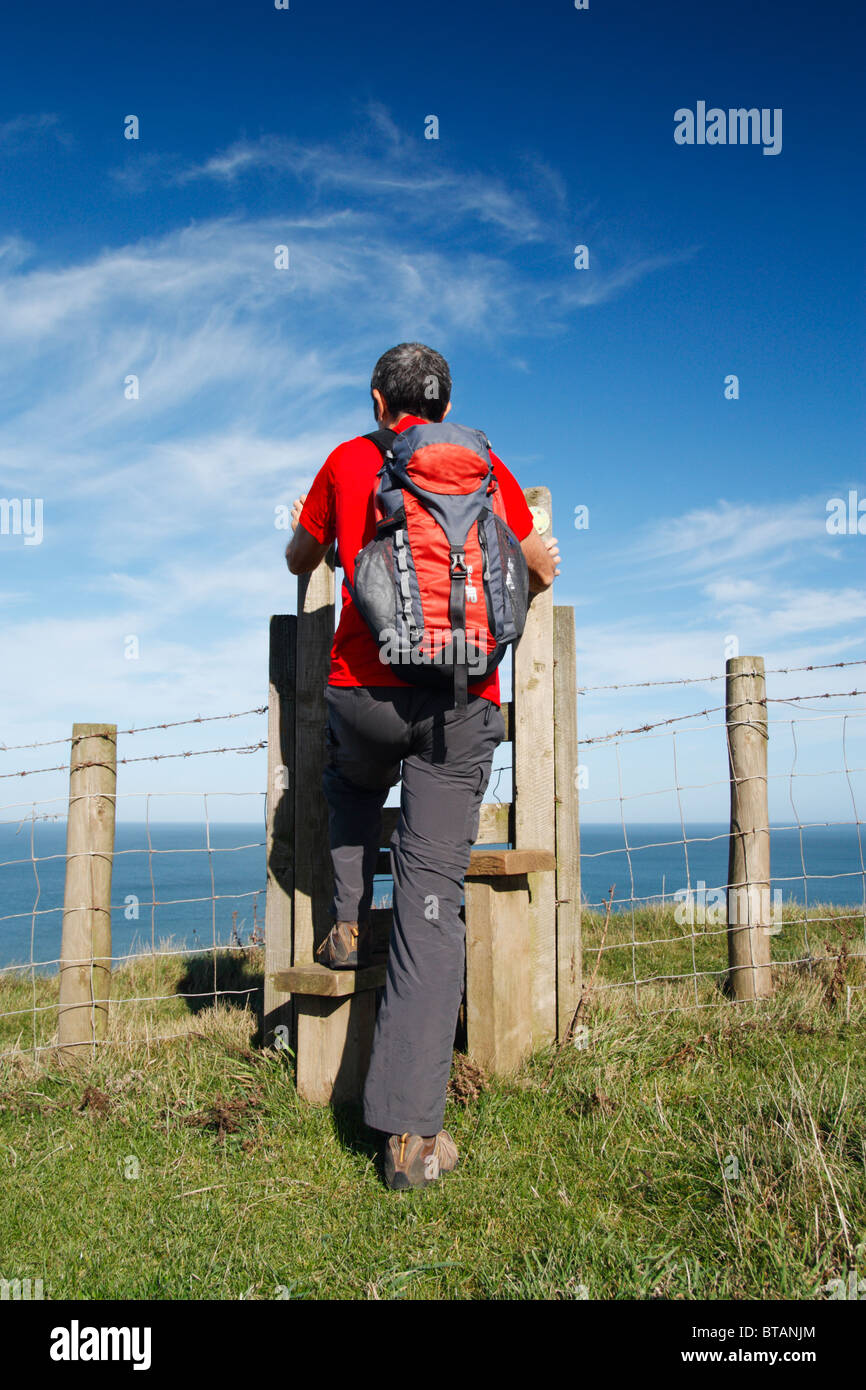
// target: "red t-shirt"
[[339, 507]]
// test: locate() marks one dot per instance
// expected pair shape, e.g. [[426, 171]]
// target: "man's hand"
[[542, 556], [297, 508], [553, 546], [303, 552]]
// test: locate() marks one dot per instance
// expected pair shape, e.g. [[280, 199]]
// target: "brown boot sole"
[[334, 952]]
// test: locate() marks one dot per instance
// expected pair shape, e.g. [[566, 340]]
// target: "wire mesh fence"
[[656, 838], [188, 895], [187, 902]]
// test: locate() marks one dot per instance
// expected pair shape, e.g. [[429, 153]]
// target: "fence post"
[[280, 836], [313, 871], [569, 955], [85, 951], [749, 915], [334, 1033], [534, 781]]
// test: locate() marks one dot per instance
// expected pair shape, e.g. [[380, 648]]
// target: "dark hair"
[[415, 379]]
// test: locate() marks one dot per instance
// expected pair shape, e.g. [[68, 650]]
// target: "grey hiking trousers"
[[446, 755]]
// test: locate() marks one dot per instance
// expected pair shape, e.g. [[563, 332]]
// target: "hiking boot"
[[411, 1161], [346, 947]]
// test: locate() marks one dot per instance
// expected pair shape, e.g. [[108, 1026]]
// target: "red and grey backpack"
[[443, 585]]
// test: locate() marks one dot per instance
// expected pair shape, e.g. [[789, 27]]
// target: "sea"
[[190, 886]]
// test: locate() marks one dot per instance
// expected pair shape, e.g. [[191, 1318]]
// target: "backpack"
[[440, 529]]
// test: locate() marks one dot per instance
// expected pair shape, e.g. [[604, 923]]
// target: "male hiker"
[[442, 740]]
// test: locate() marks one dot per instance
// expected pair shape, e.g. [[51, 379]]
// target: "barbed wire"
[[718, 709], [262, 709], [719, 676], [140, 729], [147, 758], [689, 957]]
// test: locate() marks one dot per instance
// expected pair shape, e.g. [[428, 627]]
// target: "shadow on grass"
[[230, 976], [354, 1134]]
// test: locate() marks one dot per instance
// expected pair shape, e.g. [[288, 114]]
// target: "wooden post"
[[313, 873], [280, 836], [335, 1038], [334, 1035], [534, 784], [569, 955], [498, 966], [499, 954], [85, 952], [749, 916]]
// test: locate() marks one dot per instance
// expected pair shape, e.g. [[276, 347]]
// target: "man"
[[378, 724]]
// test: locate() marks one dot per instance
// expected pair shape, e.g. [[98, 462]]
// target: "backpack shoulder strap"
[[382, 438]]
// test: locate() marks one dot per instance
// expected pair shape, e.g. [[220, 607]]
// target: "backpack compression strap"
[[457, 619]]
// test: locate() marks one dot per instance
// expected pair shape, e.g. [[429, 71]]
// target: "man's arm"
[[542, 560], [541, 556], [303, 552]]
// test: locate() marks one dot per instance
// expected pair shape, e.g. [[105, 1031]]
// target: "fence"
[[657, 949], [720, 932], [57, 1000]]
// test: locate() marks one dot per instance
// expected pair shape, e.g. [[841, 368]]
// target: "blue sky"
[[305, 127]]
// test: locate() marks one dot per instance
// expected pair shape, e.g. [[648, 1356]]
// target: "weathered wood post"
[[85, 951], [534, 781], [280, 836], [499, 954], [569, 951], [335, 1029], [749, 916], [313, 873]]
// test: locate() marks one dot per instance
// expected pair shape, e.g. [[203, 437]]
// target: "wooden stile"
[[519, 982], [335, 984]]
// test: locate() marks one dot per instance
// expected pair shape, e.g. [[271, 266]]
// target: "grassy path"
[[714, 1153]]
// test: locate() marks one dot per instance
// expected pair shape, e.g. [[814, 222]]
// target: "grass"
[[713, 1152]]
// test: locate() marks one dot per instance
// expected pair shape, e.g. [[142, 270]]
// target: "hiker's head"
[[410, 379]]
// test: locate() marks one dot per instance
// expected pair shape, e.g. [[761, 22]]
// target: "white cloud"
[[731, 590], [731, 533], [159, 512], [21, 132]]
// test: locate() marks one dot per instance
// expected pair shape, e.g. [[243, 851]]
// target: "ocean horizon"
[[198, 892]]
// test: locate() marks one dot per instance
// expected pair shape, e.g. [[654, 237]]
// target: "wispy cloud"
[[24, 131], [730, 534], [160, 510], [435, 193], [381, 168]]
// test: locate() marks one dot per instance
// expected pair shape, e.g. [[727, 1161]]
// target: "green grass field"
[[679, 1152]]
